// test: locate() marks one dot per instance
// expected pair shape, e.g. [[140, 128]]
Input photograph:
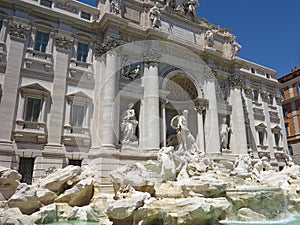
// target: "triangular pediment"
[[79, 94], [35, 87]]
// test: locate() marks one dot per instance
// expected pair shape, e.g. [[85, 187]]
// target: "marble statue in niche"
[[186, 140], [128, 127], [225, 134], [154, 15]]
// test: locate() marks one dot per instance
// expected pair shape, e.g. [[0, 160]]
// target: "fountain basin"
[[257, 203]]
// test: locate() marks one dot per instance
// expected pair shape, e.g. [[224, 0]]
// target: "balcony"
[[79, 136], [81, 70], [29, 131], [37, 61]]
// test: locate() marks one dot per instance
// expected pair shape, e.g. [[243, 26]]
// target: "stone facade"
[[290, 91], [70, 72]]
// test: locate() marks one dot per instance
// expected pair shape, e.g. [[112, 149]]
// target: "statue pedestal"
[[130, 145]]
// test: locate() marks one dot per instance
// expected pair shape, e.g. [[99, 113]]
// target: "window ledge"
[[257, 103]]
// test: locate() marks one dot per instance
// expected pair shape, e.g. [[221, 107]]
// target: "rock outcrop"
[[61, 179], [9, 181], [79, 195], [25, 199], [13, 216]]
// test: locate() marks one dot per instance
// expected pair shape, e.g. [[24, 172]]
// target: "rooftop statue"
[[190, 7], [154, 15]]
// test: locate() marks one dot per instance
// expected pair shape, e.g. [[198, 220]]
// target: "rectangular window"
[[82, 52], [41, 41], [287, 129], [290, 148], [285, 112], [270, 99], [46, 3], [78, 112], [26, 169], [282, 94], [276, 138], [86, 16], [75, 162], [33, 109], [255, 95], [252, 70], [298, 88], [261, 137]]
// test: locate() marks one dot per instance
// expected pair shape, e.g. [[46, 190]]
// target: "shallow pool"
[[294, 221], [291, 221]]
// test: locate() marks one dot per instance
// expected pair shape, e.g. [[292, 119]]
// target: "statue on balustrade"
[[187, 143], [190, 7], [128, 127]]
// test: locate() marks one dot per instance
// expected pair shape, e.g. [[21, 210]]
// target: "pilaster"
[[63, 45], [18, 35]]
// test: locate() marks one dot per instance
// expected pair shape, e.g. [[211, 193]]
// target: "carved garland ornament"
[[106, 46], [19, 30]]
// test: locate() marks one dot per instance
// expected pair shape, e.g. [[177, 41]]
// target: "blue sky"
[[267, 30]]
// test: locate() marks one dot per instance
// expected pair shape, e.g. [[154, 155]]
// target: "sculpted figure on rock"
[[186, 140]]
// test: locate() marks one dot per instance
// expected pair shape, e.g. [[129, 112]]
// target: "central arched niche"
[[181, 88], [182, 94]]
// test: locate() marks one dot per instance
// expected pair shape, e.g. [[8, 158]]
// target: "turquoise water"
[[74, 223], [295, 221], [292, 221]]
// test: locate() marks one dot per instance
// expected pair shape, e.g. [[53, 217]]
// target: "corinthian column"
[[109, 88], [150, 137], [212, 136], [238, 142]]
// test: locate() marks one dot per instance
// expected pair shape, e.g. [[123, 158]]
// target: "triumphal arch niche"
[[171, 63], [158, 81]]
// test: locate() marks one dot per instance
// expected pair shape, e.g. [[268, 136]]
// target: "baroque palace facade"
[[72, 76]]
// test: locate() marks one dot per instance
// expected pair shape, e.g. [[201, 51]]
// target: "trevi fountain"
[[183, 132]]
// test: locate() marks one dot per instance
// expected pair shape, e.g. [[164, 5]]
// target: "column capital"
[[19, 30], [164, 101], [248, 90], [64, 42], [235, 81], [200, 108], [107, 45], [151, 57], [210, 74], [264, 95]]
